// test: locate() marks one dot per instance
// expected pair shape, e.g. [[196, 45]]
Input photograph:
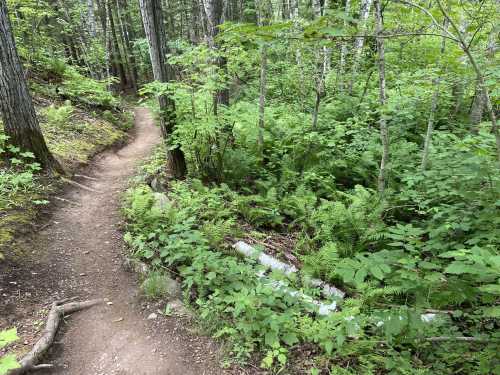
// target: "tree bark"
[[214, 10], [127, 46], [263, 16], [359, 41], [154, 28], [479, 76], [384, 133], [323, 62], [343, 51], [18, 113], [434, 103], [115, 48], [91, 18]]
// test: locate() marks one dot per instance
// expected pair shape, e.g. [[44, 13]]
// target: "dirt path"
[[84, 257]]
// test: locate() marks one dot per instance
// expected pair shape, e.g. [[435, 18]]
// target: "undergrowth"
[[347, 240]]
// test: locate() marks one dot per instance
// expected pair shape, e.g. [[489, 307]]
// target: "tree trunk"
[[479, 76], [384, 133], [18, 113], [263, 13], [323, 66], [154, 28], [115, 48], [434, 103], [91, 18], [127, 46], [214, 12], [359, 41], [477, 108], [343, 51]]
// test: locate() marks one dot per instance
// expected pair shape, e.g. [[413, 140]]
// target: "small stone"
[[152, 316]]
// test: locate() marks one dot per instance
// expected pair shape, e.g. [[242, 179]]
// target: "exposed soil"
[[80, 252]]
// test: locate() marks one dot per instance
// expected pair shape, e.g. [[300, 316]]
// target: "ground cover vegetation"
[[356, 139], [78, 115], [296, 153]]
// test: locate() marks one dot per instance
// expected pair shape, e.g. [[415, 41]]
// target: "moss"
[[80, 137], [73, 136], [10, 224]]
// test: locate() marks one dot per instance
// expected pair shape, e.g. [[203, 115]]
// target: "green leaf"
[[360, 275], [490, 288], [8, 362], [290, 338], [328, 346], [377, 272], [8, 336], [282, 358], [271, 338], [491, 312]]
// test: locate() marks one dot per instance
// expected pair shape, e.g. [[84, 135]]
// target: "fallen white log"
[[288, 269]]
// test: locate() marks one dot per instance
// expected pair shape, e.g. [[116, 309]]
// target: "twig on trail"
[[87, 177], [74, 183], [58, 310], [68, 201]]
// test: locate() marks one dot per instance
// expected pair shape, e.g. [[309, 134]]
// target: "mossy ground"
[[74, 142]]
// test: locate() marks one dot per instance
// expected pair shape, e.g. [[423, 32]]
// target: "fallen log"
[[57, 311], [271, 262]]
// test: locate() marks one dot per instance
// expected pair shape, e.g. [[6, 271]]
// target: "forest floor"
[[80, 252]]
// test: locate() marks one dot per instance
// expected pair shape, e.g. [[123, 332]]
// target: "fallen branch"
[[30, 361]]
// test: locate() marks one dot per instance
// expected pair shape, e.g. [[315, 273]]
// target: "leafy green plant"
[[8, 362]]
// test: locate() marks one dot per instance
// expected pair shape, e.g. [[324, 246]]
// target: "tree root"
[[58, 310], [74, 183]]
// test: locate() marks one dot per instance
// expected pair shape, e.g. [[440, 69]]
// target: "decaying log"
[[58, 310], [271, 262]]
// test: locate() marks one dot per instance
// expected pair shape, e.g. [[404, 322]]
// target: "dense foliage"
[[428, 244], [407, 223]]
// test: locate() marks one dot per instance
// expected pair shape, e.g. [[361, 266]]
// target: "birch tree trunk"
[[359, 41], [18, 113], [263, 14], [154, 28], [343, 52], [323, 56], [434, 103], [384, 134], [214, 10], [91, 18], [479, 76]]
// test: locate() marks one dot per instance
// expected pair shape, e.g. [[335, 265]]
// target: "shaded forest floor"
[[80, 252]]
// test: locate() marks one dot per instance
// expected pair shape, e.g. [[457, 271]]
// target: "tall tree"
[[323, 62], [18, 113], [154, 28], [434, 102], [343, 51], [384, 133], [116, 54], [364, 12], [214, 10]]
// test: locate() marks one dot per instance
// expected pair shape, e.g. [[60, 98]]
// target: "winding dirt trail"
[[84, 258]]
